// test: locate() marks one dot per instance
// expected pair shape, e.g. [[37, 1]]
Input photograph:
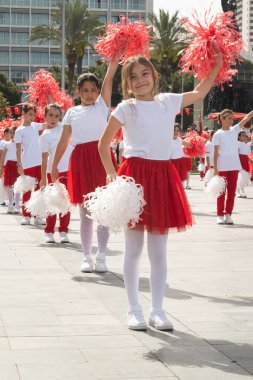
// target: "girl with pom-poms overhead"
[[82, 127], [227, 162], [148, 125]]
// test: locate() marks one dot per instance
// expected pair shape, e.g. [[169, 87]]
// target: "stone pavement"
[[59, 324]]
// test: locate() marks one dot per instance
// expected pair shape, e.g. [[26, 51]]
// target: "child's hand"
[[43, 183], [111, 177]]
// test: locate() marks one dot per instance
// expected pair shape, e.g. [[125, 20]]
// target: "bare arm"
[[18, 153], [207, 162], [215, 159], [106, 90], [246, 119], [104, 147], [43, 181], [60, 150], [203, 87], [3, 155]]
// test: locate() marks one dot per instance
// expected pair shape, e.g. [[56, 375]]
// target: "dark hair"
[[241, 133], [28, 107], [224, 113], [211, 133], [87, 77], [176, 125], [52, 105], [7, 130], [13, 129]]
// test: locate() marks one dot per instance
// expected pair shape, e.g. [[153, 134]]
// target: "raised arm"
[[104, 147], [246, 119], [106, 90], [202, 89], [60, 150]]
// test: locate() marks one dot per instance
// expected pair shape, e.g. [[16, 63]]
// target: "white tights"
[[134, 241], [86, 232], [9, 190]]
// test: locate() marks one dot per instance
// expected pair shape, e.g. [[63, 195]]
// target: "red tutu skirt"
[[86, 171], [166, 204], [188, 164], [181, 166], [244, 162], [10, 173]]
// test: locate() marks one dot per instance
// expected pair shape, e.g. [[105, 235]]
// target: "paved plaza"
[[57, 323]]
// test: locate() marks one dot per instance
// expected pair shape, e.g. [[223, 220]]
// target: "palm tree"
[[167, 43], [79, 26]]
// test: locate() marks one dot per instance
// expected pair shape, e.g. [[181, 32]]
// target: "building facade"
[[244, 18], [20, 58]]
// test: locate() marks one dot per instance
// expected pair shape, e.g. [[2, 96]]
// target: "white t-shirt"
[[1, 145], [11, 155], [243, 148], [48, 144], [87, 122], [148, 126], [176, 149], [228, 158], [28, 137], [209, 152]]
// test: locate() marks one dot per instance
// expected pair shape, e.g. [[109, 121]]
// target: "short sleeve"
[[67, 117], [236, 128], [216, 139], [44, 143], [101, 103], [174, 100], [18, 136], [119, 113]]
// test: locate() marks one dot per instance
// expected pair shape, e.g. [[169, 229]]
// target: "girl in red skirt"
[[227, 163], [9, 170], [177, 154], [244, 151], [82, 127], [148, 125]]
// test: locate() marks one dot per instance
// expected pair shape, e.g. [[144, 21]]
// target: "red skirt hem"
[[10, 173], [167, 207]]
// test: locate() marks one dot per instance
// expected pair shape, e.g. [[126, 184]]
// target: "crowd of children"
[[79, 152]]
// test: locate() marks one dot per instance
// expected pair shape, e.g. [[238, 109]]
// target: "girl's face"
[[88, 93], [7, 136], [227, 121], [52, 117], [176, 133], [243, 137], [29, 117], [12, 134], [141, 82]]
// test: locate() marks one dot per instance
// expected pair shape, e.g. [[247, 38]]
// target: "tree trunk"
[[72, 59], [79, 65]]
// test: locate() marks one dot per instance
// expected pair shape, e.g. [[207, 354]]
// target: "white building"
[[244, 17], [19, 58]]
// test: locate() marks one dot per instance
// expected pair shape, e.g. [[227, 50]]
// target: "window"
[[20, 57], [115, 19], [20, 18], [20, 38], [20, 2], [98, 4], [4, 2], [40, 3], [19, 77], [4, 18], [102, 19], [137, 4], [54, 3], [119, 4], [4, 38], [55, 58], [40, 18], [4, 57], [39, 58], [93, 59]]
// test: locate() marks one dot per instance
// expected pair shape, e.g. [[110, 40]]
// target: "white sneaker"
[[187, 187], [25, 221], [159, 320], [64, 237], [49, 238], [16, 210], [10, 210], [228, 219], [135, 320], [39, 222], [87, 264], [100, 265], [220, 220]]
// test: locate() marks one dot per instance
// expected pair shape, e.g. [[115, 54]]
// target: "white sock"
[[103, 237], [158, 261], [134, 241], [10, 195], [17, 199], [86, 230]]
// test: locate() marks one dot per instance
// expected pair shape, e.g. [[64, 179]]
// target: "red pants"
[[32, 172], [226, 207], [202, 161], [64, 220]]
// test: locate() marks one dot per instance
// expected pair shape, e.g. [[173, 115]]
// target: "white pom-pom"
[[243, 179], [209, 175], [24, 183], [56, 198], [201, 167], [216, 186], [3, 194], [116, 205], [36, 204]]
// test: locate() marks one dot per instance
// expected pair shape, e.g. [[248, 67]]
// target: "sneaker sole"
[[86, 270], [138, 328], [50, 242], [100, 271], [64, 242], [161, 328]]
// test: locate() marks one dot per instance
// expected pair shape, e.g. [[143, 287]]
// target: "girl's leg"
[[231, 189], [17, 200], [86, 230], [9, 191], [221, 199], [158, 260], [103, 237], [134, 241]]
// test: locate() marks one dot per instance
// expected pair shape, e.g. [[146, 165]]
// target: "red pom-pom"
[[205, 135], [219, 31], [125, 39], [197, 145]]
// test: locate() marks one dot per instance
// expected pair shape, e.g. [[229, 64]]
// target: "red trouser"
[[32, 172], [202, 161], [227, 207], [64, 220]]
